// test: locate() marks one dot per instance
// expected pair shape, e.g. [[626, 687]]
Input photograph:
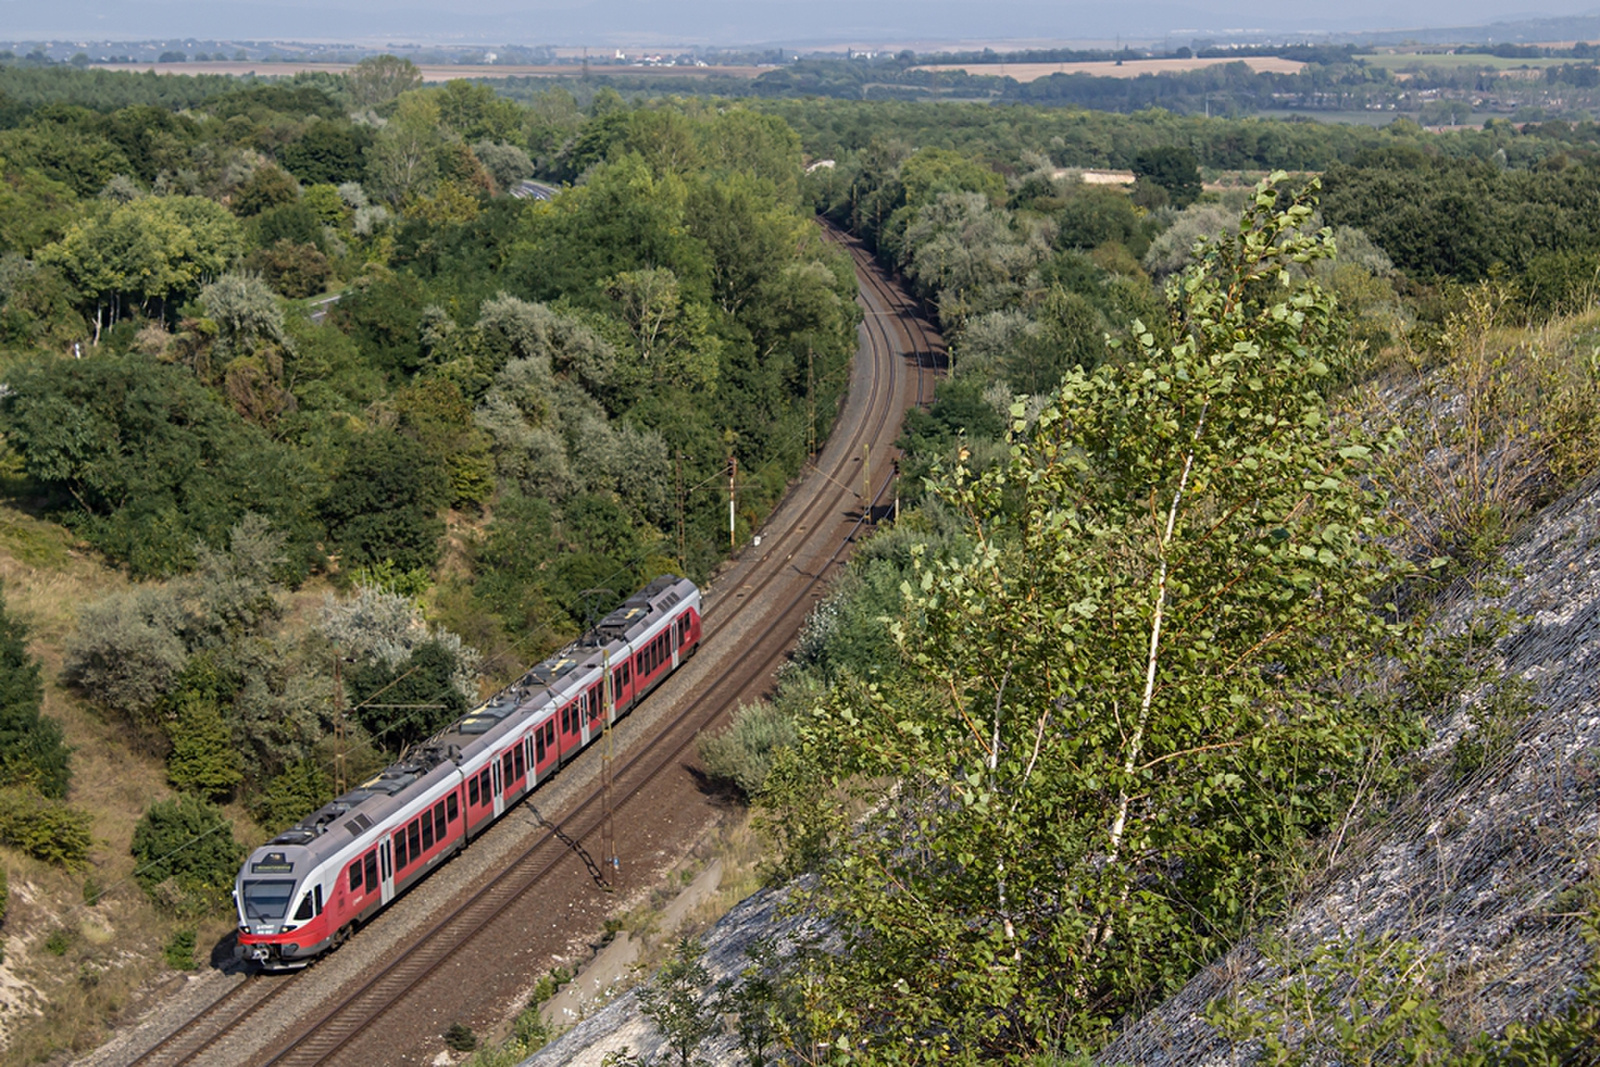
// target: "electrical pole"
[[733, 474], [866, 480], [683, 564], [811, 403], [608, 830], [339, 784]]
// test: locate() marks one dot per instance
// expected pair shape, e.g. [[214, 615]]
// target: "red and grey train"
[[310, 887]]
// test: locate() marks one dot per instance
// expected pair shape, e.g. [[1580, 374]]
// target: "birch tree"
[[1129, 699]]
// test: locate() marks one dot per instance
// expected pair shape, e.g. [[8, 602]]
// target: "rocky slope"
[[1487, 871]]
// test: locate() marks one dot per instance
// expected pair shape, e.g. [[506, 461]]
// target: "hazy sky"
[[731, 22]]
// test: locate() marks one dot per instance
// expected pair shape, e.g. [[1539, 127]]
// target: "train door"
[[386, 870], [499, 799]]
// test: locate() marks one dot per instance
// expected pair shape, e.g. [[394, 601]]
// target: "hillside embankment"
[[1488, 869]]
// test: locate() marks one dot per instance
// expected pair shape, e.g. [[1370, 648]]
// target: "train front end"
[[281, 925]]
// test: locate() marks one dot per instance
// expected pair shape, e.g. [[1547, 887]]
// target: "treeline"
[[303, 329], [25, 87], [835, 129]]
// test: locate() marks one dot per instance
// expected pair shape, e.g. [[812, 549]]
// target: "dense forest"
[[271, 337], [299, 363]]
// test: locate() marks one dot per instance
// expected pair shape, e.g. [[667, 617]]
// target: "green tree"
[[1172, 168], [330, 152], [267, 188], [32, 749], [402, 160], [147, 461], [1134, 684], [153, 248], [302, 787], [673, 337], [403, 702], [384, 503], [378, 79], [204, 759], [676, 1001], [186, 854]]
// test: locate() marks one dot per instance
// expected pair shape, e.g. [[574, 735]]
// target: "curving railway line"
[[444, 956]]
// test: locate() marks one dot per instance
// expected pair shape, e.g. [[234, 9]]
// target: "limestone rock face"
[[1478, 868]]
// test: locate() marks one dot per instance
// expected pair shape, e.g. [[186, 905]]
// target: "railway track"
[[752, 612]]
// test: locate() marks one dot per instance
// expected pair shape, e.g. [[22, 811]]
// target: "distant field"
[[438, 73], [1132, 68], [1420, 60]]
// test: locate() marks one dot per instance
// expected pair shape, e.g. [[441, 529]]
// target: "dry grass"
[[1132, 68]]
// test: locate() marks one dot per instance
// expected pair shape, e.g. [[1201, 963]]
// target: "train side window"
[[427, 831], [521, 766], [452, 809], [483, 784], [400, 850], [355, 876], [414, 836], [318, 910], [372, 870], [538, 745], [550, 731], [472, 790], [566, 719], [439, 821]]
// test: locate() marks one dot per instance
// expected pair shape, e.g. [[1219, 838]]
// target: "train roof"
[[343, 820]]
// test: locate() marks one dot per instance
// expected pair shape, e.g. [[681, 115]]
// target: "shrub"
[[32, 751], [1496, 717], [187, 855], [45, 829], [126, 653], [460, 1038], [59, 941], [742, 754], [179, 951]]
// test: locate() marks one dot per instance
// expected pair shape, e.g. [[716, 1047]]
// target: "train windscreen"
[[267, 899]]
